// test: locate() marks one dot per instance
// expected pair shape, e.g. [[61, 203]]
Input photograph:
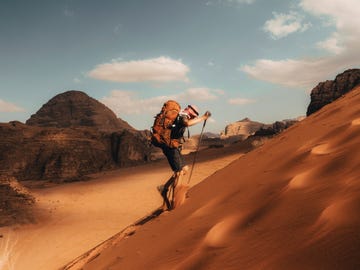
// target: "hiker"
[[172, 150]]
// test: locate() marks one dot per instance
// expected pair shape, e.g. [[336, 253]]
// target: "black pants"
[[174, 157], [170, 184]]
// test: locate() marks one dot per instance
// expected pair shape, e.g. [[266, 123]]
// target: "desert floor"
[[73, 218]]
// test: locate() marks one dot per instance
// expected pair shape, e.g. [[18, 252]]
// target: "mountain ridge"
[[75, 108]]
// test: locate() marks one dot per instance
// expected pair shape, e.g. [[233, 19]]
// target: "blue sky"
[[236, 58]]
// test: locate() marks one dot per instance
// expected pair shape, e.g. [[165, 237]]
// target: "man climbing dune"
[[168, 133]]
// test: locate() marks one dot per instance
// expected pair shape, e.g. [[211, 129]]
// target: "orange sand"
[[75, 217], [293, 203]]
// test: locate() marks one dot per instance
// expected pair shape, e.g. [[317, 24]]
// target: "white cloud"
[[9, 107], [285, 24], [343, 46], [198, 94], [240, 101], [290, 72], [126, 102], [342, 11], [331, 44], [161, 69], [344, 15]]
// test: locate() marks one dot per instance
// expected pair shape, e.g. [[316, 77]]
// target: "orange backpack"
[[164, 120]]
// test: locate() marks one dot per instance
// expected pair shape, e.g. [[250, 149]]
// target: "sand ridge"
[[290, 204], [75, 217]]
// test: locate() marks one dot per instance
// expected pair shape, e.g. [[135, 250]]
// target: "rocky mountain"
[[326, 92], [69, 137], [245, 128], [75, 109]]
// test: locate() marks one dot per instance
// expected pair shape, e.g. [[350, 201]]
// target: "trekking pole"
[[197, 150]]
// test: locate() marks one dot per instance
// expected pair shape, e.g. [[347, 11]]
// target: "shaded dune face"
[[293, 203]]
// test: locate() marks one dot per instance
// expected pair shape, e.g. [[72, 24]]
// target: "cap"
[[193, 110]]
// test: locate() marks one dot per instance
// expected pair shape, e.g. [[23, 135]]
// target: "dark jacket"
[[179, 127]]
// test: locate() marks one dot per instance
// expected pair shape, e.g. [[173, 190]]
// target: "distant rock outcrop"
[[75, 109], [275, 128], [249, 133], [326, 92], [243, 128], [71, 136]]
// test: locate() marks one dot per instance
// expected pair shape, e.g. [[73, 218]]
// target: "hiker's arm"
[[197, 120]]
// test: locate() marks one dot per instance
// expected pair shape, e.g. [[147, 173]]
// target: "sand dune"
[[291, 204], [73, 218]]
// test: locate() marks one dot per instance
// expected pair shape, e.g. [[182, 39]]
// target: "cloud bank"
[[9, 107], [124, 102], [343, 47], [161, 69], [240, 101]]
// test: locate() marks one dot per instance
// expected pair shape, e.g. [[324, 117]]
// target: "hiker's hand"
[[207, 114]]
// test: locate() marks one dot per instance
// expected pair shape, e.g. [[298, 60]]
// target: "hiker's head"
[[192, 111]]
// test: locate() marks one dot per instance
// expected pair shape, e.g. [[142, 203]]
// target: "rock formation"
[[243, 128], [326, 92], [87, 139], [275, 128], [74, 109], [15, 203]]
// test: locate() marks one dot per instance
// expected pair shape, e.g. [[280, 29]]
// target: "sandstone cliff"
[[75, 109], [87, 139], [326, 92], [275, 128], [243, 128]]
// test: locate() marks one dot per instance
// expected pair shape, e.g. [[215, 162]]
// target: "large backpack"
[[163, 123]]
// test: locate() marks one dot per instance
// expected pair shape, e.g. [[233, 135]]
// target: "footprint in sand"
[[306, 146], [355, 122], [322, 149], [220, 234], [301, 180], [341, 213]]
